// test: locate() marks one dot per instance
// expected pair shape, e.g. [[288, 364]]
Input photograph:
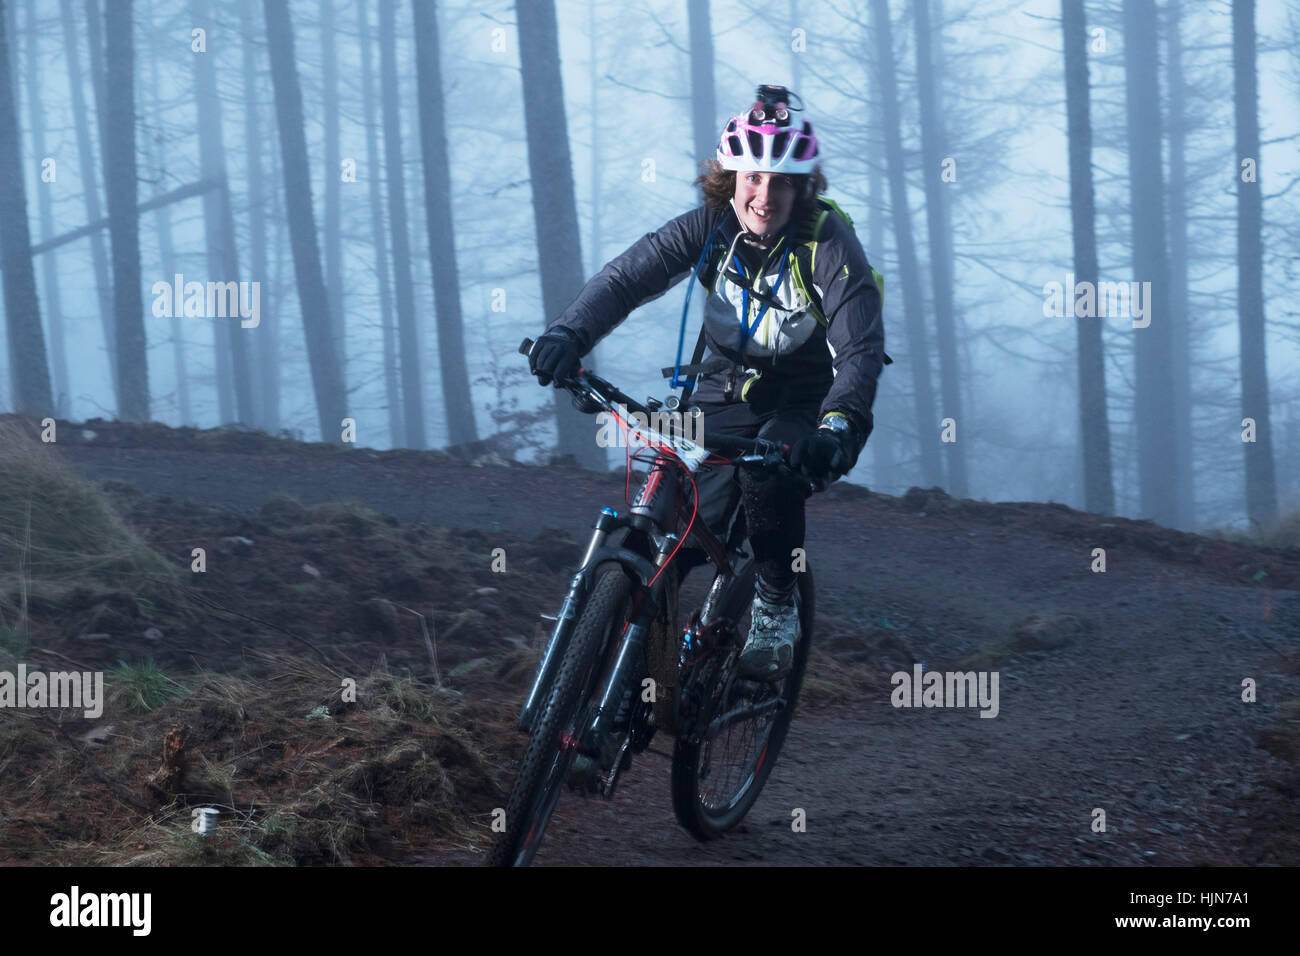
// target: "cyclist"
[[794, 330]]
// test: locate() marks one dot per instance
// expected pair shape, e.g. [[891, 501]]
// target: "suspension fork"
[[624, 662], [579, 587]]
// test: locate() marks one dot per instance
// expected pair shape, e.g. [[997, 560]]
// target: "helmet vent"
[[755, 144]]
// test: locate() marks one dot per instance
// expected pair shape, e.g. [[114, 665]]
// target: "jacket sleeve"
[[855, 331], [646, 270]]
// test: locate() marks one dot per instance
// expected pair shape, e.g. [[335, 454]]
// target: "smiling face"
[[764, 200]]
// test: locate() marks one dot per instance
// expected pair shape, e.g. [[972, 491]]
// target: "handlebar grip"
[[526, 346]]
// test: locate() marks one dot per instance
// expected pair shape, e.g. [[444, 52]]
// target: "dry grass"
[[59, 534], [397, 767]]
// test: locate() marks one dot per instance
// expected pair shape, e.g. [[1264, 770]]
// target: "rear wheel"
[[717, 780], [553, 743]]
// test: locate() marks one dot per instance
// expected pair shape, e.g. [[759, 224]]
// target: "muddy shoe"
[[773, 631]]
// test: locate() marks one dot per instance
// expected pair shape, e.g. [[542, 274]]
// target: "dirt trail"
[[1125, 693]]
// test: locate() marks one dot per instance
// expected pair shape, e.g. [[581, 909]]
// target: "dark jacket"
[[800, 359]]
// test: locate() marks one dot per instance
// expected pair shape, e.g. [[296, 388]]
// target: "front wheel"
[[717, 779], [553, 743]]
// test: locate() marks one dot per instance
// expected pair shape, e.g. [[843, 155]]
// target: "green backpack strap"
[[805, 254]]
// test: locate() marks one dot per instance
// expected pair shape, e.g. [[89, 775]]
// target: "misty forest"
[[286, 216]]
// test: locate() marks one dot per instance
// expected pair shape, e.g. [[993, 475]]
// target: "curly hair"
[[719, 186]]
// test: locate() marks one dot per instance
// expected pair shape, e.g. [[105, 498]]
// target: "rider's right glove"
[[555, 355]]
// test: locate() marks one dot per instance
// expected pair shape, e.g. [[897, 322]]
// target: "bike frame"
[[643, 553], [652, 518]]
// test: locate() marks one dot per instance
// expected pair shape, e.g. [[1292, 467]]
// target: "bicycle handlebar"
[[591, 389]]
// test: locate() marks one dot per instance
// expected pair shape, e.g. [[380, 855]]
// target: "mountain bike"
[[617, 668]]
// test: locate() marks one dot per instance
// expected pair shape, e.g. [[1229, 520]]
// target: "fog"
[[411, 135]]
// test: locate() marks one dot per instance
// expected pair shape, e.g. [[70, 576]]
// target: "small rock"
[[153, 634], [480, 592], [308, 569], [319, 713]]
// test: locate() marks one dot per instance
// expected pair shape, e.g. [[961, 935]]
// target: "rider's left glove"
[[826, 453], [555, 355]]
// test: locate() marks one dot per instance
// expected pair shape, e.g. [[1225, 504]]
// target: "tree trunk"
[[939, 231], [219, 220], [1261, 489], [1179, 314], [1094, 419], [1154, 412], [883, 436], [910, 274], [704, 119], [167, 251], [50, 261], [593, 72], [90, 185], [327, 380], [279, 284], [121, 183], [28, 368], [391, 387], [796, 66], [555, 214], [263, 338], [408, 342], [333, 181], [457, 397]]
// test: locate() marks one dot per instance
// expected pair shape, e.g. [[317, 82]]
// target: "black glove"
[[823, 455], [555, 355]]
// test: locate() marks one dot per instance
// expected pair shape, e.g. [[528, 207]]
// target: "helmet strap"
[[753, 237]]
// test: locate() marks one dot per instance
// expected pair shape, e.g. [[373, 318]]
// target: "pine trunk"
[[555, 213], [1094, 419], [408, 341], [1261, 489], [28, 368], [457, 396], [327, 379], [1157, 497], [392, 387], [927, 424], [121, 184]]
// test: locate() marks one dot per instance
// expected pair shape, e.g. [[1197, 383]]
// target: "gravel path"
[[1137, 712]]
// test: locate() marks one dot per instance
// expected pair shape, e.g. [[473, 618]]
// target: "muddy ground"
[[1120, 691]]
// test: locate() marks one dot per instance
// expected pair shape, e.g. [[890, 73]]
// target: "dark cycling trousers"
[[774, 504]]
